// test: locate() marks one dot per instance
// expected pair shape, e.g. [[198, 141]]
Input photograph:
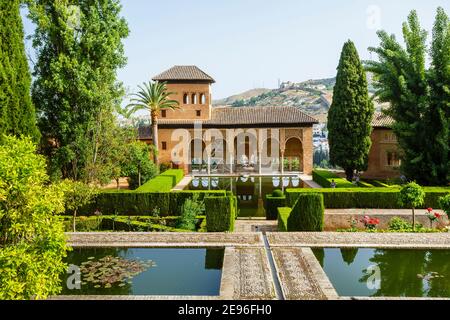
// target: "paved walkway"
[[183, 184]]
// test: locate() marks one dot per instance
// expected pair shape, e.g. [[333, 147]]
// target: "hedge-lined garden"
[[325, 178], [221, 213], [274, 201], [367, 198], [307, 214]]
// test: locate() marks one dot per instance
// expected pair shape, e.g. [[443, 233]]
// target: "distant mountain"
[[242, 96], [313, 97]]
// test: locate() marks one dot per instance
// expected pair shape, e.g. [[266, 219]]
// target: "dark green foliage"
[[220, 214], [190, 210], [214, 259], [283, 216], [137, 165], [349, 255], [272, 205], [325, 178], [366, 198], [277, 193], [350, 115], [75, 90], [308, 213], [143, 204], [164, 182], [444, 204], [17, 113], [419, 98]]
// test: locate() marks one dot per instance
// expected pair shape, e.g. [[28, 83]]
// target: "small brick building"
[[384, 156], [258, 140]]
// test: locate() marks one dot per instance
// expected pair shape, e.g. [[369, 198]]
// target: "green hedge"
[[283, 216], [366, 198], [143, 204], [308, 213], [164, 182], [324, 178], [272, 205], [220, 214]]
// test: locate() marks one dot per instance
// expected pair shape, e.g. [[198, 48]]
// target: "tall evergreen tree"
[[350, 115], [418, 98], [79, 49], [17, 113]]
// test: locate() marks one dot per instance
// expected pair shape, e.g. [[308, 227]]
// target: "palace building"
[[226, 140]]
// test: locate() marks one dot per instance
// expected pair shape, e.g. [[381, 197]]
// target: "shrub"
[[141, 204], [191, 209], [220, 214], [325, 178], [307, 214], [272, 205], [444, 203], [364, 184], [399, 225], [277, 193], [164, 182], [412, 196], [366, 198], [283, 216]]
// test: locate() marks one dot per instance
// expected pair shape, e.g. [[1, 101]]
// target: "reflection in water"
[[251, 191], [175, 271], [403, 273]]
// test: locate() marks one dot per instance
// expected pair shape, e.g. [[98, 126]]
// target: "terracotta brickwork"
[[194, 100], [384, 155]]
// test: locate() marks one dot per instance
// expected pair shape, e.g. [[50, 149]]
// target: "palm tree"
[[153, 96]]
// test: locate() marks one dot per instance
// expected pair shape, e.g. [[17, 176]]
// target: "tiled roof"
[[231, 116], [380, 120], [190, 73]]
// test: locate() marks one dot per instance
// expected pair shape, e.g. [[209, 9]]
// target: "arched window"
[[186, 98], [194, 98], [202, 98]]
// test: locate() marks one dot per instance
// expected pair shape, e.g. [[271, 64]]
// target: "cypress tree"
[[350, 115], [17, 113]]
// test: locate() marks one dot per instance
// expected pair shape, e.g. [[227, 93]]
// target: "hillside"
[[313, 97]]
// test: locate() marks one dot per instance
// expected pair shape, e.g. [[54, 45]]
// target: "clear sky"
[[246, 44]]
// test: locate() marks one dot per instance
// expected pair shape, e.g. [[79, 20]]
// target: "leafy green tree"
[[412, 196], [32, 240], [77, 195], [138, 167], [153, 97], [350, 115], [17, 113], [419, 98], [79, 50], [190, 210]]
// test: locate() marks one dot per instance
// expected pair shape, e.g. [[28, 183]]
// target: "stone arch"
[[194, 99], [293, 154], [202, 98], [197, 154], [185, 98]]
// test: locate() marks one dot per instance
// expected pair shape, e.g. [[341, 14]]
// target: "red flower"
[[430, 209], [437, 215]]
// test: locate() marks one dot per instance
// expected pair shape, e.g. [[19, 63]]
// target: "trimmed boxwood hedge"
[[366, 198], [283, 216], [166, 181], [143, 204], [307, 214], [272, 205], [324, 178], [220, 213]]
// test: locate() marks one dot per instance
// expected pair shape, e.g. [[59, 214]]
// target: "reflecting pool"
[[144, 271], [387, 272], [250, 191]]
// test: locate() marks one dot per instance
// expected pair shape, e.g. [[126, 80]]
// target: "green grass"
[[164, 182], [325, 178]]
